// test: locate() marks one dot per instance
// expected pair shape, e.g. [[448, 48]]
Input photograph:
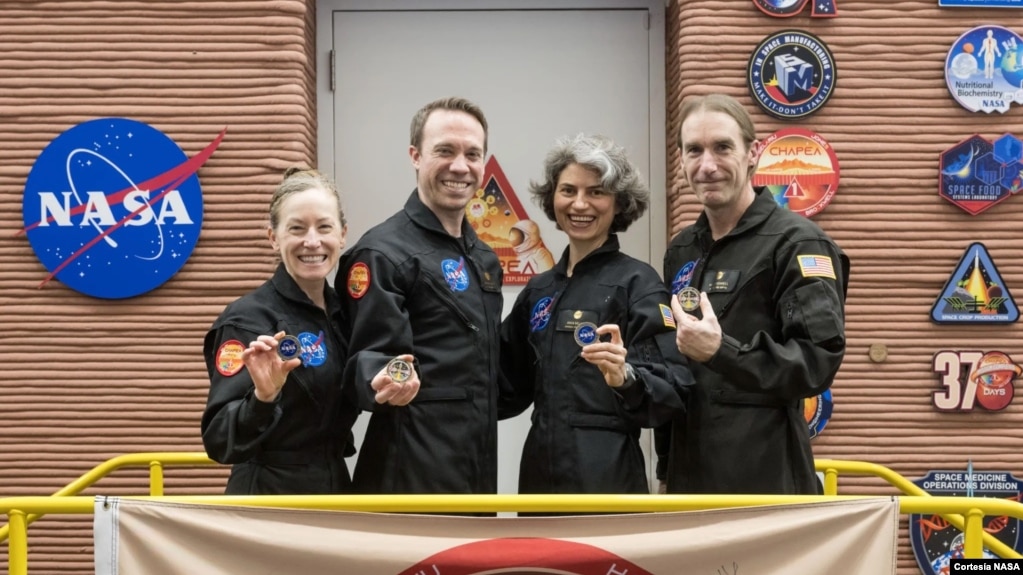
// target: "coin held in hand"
[[399, 370], [288, 347], [689, 299]]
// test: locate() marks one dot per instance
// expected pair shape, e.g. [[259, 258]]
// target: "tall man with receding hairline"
[[759, 310]]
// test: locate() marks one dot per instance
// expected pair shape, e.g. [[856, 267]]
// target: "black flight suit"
[[410, 287], [295, 444], [584, 436], [777, 284]]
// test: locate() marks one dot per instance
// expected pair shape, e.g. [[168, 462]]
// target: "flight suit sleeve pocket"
[[820, 310]]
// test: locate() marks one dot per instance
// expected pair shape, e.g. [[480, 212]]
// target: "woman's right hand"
[[268, 371]]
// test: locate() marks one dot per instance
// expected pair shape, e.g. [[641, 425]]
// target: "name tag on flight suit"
[[569, 319], [720, 281]]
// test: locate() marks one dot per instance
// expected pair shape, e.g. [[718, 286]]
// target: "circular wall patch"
[[800, 169], [791, 74], [984, 69]]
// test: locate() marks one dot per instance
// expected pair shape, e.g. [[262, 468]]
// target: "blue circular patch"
[[791, 74], [984, 70], [789, 8], [541, 315], [314, 349], [818, 411], [683, 277], [455, 274], [289, 347], [585, 334], [112, 209]]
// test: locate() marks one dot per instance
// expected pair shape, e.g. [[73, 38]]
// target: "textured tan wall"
[[889, 119], [86, 379]]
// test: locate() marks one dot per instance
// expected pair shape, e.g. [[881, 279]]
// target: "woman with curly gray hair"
[[591, 343], [608, 161]]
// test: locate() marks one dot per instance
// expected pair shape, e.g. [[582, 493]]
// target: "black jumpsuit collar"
[[287, 287], [610, 245], [421, 215], [757, 212]]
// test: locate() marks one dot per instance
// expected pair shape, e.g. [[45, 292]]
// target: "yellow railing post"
[[830, 481], [126, 460], [908, 487], [17, 545], [914, 500], [973, 540], [155, 478]]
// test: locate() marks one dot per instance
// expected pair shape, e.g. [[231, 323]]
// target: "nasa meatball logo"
[[314, 351], [455, 274], [684, 276], [789, 8], [525, 556], [541, 315], [113, 208], [791, 74]]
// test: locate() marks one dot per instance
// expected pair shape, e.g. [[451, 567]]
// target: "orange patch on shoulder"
[[229, 357], [358, 280]]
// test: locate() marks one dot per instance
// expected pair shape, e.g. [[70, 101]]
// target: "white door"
[[539, 70]]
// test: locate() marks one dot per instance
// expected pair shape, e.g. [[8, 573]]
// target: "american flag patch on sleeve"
[[669, 320], [816, 267]]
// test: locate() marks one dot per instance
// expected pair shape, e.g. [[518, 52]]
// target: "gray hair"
[[617, 175], [297, 180]]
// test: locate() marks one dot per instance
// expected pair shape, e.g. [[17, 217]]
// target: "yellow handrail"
[[831, 468], [975, 508], [155, 461], [22, 511]]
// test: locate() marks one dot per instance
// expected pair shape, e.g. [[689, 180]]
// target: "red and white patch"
[[229, 357], [358, 280]]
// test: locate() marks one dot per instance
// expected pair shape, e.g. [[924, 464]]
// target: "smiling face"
[[309, 237], [449, 162], [583, 209], [716, 162]]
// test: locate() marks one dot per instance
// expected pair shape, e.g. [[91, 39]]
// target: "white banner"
[[151, 538]]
